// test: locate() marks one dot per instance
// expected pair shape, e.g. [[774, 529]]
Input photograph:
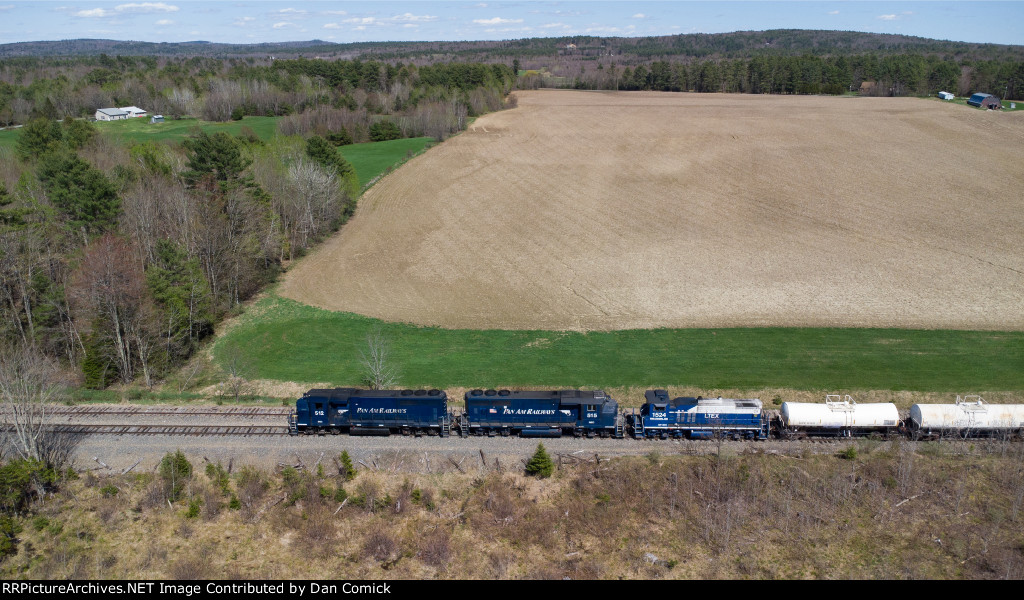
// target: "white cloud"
[[335, 12], [413, 18], [243, 21], [496, 21], [361, 20], [639, 16], [7, 7], [292, 11], [138, 8], [283, 24], [833, 12], [332, 26], [165, 22], [553, 25], [887, 17], [146, 7]]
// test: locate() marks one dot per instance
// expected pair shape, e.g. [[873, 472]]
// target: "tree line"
[[118, 260], [894, 75]]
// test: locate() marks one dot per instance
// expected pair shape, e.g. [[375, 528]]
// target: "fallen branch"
[[901, 503], [131, 467], [268, 506], [457, 465], [102, 464], [343, 503]]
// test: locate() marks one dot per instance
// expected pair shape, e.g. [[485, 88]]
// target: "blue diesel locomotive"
[[371, 412], [698, 418], [541, 414]]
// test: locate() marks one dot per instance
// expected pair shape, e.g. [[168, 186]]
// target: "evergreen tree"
[[219, 155], [349, 471], [540, 464], [81, 192], [38, 137]]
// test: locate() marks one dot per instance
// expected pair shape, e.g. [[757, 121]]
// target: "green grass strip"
[[288, 341], [372, 159]]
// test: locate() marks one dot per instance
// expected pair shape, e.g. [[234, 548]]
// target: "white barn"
[[111, 114], [946, 95], [133, 111]]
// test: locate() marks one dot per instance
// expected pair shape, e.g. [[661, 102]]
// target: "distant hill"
[[740, 44]]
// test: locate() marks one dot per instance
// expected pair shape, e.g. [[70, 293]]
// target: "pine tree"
[[540, 464], [349, 471]]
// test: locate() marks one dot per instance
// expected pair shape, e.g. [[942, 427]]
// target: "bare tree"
[[29, 382], [379, 372], [238, 365]]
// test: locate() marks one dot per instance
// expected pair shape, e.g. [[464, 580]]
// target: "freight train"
[[579, 413]]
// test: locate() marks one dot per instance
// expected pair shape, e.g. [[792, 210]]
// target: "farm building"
[[867, 87], [111, 114], [946, 95], [985, 101], [133, 111]]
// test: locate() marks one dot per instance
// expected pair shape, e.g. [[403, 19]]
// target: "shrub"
[[380, 545], [384, 130], [109, 491], [540, 464], [20, 480], [219, 477], [347, 470], [340, 138], [9, 530], [194, 506], [848, 454], [175, 470]]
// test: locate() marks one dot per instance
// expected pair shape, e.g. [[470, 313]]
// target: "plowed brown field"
[[584, 210]]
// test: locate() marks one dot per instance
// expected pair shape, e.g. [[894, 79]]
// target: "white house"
[[133, 111], [111, 114], [946, 96]]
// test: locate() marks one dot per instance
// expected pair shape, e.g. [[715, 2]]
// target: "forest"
[[118, 259]]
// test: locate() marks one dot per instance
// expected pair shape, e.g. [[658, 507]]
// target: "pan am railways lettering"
[[529, 411], [383, 411]]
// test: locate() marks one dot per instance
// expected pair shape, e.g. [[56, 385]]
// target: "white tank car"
[[839, 416], [969, 413]]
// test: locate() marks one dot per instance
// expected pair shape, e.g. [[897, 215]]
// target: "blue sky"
[[251, 21]]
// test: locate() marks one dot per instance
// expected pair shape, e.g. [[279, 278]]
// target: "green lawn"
[[141, 130], [288, 341], [372, 159]]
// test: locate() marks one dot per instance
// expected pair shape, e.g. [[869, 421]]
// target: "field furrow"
[[599, 211]]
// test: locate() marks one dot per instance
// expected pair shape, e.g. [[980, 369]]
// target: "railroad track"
[[182, 411], [192, 430]]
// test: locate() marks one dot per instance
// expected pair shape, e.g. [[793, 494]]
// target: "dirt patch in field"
[[586, 210]]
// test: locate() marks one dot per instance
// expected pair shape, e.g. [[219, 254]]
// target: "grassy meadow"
[[370, 160], [373, 159], [287, 341]]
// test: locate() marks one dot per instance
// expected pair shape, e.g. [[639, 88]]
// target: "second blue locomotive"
[[540, 414]]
